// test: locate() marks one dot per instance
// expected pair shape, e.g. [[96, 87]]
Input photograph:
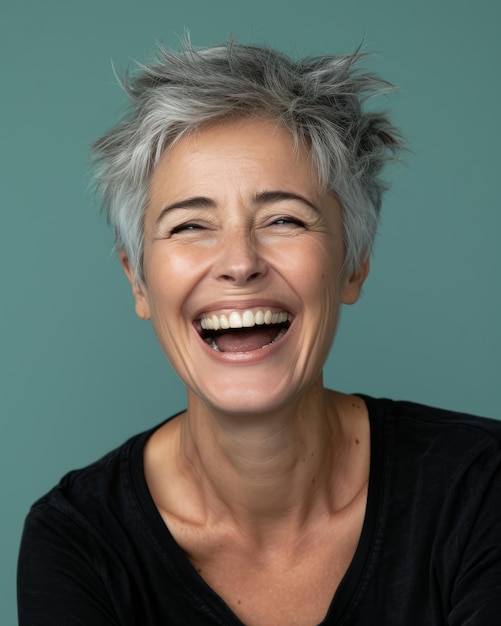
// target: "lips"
[[243, 331]]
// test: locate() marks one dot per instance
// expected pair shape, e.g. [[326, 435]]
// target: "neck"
[[269, 468]]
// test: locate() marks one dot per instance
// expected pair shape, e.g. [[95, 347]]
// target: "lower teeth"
[[213, 345]]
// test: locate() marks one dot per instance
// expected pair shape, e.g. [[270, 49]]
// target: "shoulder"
[[435, 455], [400, 410], [95, 482], [91, 500], [79, 512], [77, 537], [420, 426], [74, 541], [435, 502], [438, 460]]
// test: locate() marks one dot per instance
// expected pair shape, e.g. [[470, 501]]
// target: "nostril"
[[235, 277]]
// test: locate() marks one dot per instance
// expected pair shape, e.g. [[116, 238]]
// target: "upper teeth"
[[246, 319]]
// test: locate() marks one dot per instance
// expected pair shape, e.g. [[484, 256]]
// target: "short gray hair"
[[319, 100]]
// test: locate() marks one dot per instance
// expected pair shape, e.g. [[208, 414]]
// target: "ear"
[[352, 285], [140, 298]]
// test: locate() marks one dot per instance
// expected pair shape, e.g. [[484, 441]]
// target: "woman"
[[243, 188]]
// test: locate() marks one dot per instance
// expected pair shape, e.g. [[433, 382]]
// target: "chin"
[[251, 398]]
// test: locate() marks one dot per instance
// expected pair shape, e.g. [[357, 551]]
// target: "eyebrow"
[[269, 197], [262, 197], [197, 202]]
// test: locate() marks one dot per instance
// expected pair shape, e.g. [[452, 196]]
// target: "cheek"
[[171, 274], [173, 262], [321, 294], [312, 267]]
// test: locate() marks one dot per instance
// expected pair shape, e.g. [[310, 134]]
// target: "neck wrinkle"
[[266, 471]]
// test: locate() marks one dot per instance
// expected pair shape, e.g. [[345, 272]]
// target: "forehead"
[[248, 153]]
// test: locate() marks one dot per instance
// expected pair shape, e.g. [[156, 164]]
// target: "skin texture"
[[235, 254], [263, 480]]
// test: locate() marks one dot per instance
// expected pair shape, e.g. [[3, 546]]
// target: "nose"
[[239, 259]]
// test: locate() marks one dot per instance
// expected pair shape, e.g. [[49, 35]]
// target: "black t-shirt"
[[96, 552]]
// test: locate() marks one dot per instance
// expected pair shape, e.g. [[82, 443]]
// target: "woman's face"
[[238, 234]]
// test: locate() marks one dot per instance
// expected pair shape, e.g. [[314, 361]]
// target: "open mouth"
[[244, 331]]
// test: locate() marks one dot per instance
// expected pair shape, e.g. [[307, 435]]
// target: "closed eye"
[[187, 227], [288, 221]]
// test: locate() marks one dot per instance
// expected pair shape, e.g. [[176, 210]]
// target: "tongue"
[[245, 340]]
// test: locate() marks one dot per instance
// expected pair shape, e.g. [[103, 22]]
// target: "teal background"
[[79, 373]]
